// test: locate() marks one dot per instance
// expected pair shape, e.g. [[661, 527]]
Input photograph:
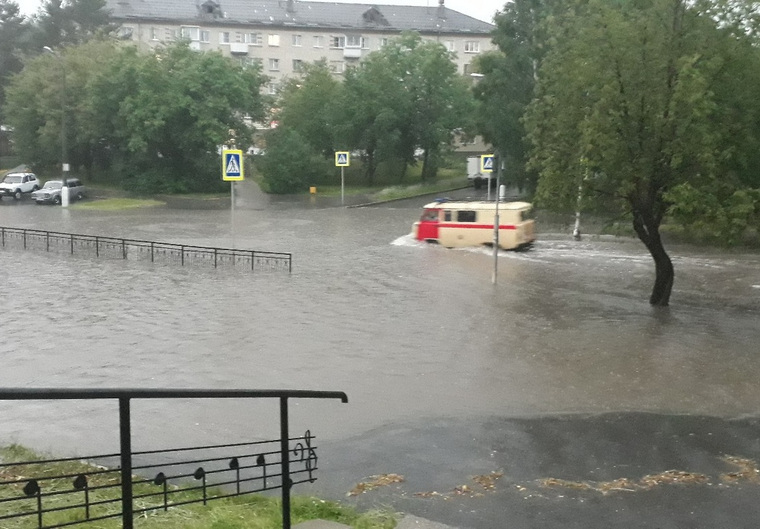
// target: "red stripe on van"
[[477, 226]]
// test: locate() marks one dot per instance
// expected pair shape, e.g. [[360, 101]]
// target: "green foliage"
[[508, 79], [71, 22], [310, 106], [726, 218], [403, 97], [153, 121], [15, 39], [640, 106], [290, 164]]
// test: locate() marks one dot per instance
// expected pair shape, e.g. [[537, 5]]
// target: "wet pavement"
[[554, 383]]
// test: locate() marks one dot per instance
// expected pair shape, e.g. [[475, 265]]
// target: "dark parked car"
[[51, 191]]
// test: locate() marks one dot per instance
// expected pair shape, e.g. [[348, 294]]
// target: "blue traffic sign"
[[342, 159], [232, 165], [486, 163]]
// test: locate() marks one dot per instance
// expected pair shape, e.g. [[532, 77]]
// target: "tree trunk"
[[648, 230]]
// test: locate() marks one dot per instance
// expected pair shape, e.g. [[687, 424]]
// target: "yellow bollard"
[[313, 190]]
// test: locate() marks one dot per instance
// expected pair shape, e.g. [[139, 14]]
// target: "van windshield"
[[429, 215]]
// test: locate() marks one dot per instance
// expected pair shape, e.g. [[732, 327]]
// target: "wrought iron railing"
[[120, 248], [155, 479]]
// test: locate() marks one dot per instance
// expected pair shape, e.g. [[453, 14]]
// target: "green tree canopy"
[[627, 105], [155, 121]]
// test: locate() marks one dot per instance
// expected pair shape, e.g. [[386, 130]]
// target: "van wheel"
[[17, 194]]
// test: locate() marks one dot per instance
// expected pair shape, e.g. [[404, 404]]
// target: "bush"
[[290, 165]]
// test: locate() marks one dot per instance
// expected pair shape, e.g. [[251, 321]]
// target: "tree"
[[67, 22], [506, 81], [404, 97], [290, 165], [309, 105], [14, 40], [155, 121], [626, 104]]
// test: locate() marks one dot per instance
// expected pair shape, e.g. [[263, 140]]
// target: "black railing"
[[158, 479], [120, 248]]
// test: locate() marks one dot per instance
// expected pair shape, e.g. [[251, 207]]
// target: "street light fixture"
[[64, 165]]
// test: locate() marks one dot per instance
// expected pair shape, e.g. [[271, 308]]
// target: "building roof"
[[297, 14]]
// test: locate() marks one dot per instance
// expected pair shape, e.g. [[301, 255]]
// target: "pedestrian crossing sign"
[[342, 159], [232, 165], [486, 163]]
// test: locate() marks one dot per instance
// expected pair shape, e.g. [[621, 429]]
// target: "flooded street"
[[416, 335]]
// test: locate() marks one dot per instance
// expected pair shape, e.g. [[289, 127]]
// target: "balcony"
[[352, 53], [238, 48]]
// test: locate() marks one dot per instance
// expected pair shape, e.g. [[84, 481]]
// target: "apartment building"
[[283, 35]]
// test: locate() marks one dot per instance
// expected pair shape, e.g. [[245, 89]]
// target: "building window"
[[383, 42], [272, 88], [297, 65], [273, 40], [153, 34], [274, 65], [471, 46], [365, 43], [337, 66], [190, 33], [254, 39], [338, 42], [353, 41], [224, 37], [249, 62], [319, 41], [205, 35], [296, 40], [450, 45], [169, 34], [467, 69]]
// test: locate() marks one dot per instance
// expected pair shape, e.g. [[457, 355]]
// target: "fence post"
[[24, 239], [125, 436], [47, 241], [97, 247], [151, 251], [124, 248], [182, 251], [285, 462], [72, 243]]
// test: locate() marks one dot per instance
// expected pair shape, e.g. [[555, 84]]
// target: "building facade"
[[283, 35]]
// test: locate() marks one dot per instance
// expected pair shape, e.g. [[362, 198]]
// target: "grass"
[[242, 512]]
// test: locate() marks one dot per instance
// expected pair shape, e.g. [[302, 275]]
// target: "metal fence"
[[135, 249], [151, 481]]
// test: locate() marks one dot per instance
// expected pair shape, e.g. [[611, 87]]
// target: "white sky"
[[480, 9]]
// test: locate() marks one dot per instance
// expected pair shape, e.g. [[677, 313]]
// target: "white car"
[[15, 184], [51, 191]]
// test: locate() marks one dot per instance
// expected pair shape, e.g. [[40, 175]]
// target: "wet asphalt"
[[633, 470]]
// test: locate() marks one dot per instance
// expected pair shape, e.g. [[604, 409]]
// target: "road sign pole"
[[232, 211], [342, 184], [496, 225]]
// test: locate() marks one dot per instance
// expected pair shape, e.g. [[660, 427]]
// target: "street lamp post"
[[64, 165]]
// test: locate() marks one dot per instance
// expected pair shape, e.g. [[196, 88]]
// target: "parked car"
[[15, 184], [51, 191]]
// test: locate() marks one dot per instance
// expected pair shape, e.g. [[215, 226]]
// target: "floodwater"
[[415, 334]]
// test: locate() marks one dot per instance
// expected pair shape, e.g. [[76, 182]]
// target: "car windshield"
[[52, 184], [13, 179]]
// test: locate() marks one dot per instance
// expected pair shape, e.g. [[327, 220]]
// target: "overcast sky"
[[480, 9]]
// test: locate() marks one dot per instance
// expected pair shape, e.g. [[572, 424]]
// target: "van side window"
[[447, 215], [465, 216]]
